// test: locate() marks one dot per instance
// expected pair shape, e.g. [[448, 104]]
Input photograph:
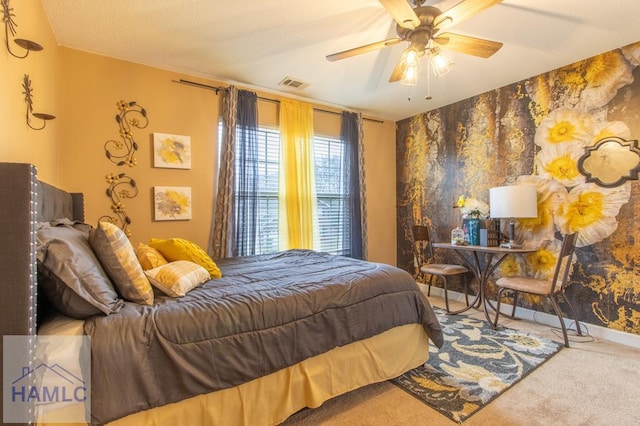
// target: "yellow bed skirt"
[[271, 399]]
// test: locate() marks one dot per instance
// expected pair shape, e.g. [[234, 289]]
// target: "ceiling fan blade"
[[396, 75], [469, 45], [462, 11], [402, 13], [363, 49]]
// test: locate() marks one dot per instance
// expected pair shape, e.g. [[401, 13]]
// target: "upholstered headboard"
[[25, 201]]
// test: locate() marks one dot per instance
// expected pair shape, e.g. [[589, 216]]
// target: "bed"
[[275, 334]]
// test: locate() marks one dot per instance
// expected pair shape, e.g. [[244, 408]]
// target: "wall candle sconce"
[[10, 27], [28, 99]]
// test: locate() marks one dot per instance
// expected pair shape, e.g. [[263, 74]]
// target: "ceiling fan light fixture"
[[441, 63], [410, 57], [410, 75], [410, 64]]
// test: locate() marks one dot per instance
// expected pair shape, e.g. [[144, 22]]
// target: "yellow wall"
[[19, 143], [83, 89]]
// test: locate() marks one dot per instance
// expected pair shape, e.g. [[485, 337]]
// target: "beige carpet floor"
[[594, 382]]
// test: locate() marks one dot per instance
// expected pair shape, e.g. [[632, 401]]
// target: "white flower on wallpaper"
[[542, 263], [565, 201], [605, 75], [562, 137], [632, 53], [565, 126], [611, 129], [512, 266], [551, 194], [590, 211], [560, 163]]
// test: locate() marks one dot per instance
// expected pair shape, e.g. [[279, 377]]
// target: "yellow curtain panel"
[[297, 176]]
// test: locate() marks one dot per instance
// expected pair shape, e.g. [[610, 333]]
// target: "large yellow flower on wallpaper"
[[562, 136], [611, 129], [560, 163], [551, 194], [604, 75], [542, 263], [591, 210], [632, 53], [565, 126]]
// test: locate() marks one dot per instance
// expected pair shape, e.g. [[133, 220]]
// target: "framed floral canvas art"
[[172, 202], [171, 151]]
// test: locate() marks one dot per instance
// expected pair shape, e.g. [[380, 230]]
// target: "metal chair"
[[551, 288], [425, 262]]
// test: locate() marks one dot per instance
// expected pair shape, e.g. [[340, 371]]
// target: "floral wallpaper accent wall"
[[533, 132]]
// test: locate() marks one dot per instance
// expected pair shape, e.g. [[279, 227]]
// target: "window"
[[332, 196], [266, 195], [331, 190]]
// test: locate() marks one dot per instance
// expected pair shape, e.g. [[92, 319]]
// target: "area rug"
[[474, 366]]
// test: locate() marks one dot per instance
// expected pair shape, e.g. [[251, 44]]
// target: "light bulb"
[[441, 63], [410, 77]]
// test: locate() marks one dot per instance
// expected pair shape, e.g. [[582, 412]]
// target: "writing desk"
[[481, 268]]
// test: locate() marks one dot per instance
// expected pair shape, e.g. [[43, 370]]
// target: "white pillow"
[[176, 278]]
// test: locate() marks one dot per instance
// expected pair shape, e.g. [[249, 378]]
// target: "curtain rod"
[[219, 89]]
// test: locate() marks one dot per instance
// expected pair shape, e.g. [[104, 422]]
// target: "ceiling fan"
[[422, 26]]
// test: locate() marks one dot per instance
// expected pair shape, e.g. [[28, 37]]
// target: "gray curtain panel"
[[236, 208], [246, 194], [354, 231], [220, 245]]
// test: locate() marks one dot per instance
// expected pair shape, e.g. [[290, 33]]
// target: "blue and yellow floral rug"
[[474, 366]]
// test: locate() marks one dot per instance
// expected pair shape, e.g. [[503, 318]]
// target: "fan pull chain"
[[428, 97]]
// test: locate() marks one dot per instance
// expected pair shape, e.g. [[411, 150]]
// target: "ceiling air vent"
[[292, 82]]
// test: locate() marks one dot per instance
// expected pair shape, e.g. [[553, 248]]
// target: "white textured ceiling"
[[256, 43]]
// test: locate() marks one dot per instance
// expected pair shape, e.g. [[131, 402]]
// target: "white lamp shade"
[[517, 201]]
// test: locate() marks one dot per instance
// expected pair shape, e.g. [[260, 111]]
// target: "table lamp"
[[513, 202]]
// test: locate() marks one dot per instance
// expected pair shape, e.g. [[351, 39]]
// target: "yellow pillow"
[[180, 249], [175, 279], [118, 257], [149, 257]]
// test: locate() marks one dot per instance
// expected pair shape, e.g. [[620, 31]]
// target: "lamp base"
[[512, 233]]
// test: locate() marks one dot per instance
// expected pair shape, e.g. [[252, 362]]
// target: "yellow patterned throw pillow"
[[149, 257], [118, 257], [180, 249], [175, 279]]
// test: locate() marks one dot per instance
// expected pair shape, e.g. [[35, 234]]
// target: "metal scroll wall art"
[[123, 152], [121, 187]]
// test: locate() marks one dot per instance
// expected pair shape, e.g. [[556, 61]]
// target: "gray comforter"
[[266, 313]]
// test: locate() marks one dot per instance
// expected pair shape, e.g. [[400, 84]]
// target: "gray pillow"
[[71, 275]]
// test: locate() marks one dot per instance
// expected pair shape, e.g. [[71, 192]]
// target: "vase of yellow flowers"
[[473, 212]]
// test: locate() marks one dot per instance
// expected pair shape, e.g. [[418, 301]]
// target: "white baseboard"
[[593, 330]]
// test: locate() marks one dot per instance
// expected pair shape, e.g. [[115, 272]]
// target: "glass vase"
[[473, 227]]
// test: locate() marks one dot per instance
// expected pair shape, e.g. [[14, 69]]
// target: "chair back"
[[422, 249], [563, 267]]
